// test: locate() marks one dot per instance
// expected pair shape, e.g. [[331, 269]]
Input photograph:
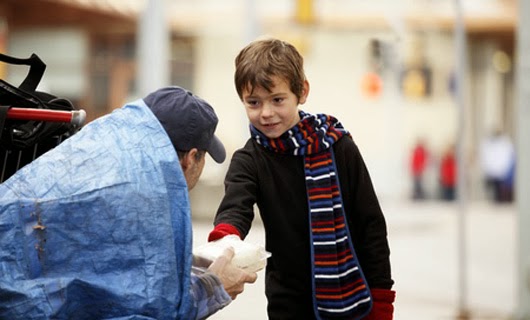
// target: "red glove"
[[382, 307], [221, 230]]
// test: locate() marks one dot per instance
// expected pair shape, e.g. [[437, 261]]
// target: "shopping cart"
[[32, 122]]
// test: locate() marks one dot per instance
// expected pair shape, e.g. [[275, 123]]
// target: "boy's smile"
[[276, 111]]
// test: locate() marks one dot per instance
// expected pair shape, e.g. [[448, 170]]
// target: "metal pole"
[[252, 28], [460, 70], [153, 48], [522, 186]]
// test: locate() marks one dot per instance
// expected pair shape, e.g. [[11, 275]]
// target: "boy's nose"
[[267, 111]]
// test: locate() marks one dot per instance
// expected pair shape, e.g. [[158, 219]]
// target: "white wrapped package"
[[248, 256]]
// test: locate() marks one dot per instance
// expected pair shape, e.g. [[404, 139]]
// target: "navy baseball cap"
[[189, 121]]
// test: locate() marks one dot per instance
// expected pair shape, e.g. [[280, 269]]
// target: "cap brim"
[[217, 150]]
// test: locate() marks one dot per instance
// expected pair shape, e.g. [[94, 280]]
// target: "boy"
[[314, 194]]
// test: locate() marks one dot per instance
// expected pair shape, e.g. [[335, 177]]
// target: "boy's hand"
[[233, 278], [382, 308]]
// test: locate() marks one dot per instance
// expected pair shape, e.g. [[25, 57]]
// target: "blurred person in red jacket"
[[418, 164], [448, 174]]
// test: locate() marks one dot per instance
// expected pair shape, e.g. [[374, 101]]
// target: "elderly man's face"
[[192, 167]]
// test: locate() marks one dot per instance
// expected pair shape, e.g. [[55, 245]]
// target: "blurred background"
[[421, 97]]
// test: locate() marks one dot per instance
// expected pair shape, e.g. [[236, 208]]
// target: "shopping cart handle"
[[75, 117], [78, 117]]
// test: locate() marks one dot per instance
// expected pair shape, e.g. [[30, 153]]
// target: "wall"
[[65, 53], [384, 128]]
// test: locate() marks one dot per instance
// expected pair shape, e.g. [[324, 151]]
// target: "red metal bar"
[[39, 114], [75, 117]]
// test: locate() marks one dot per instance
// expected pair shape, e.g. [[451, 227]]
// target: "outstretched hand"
[[232, 277]]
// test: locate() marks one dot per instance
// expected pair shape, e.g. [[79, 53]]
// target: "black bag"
[[22, 141]]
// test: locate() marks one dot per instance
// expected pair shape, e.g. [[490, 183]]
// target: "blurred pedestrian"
[[418, 165], [314, 195], [447, 174], [508, 184], [497, 156]]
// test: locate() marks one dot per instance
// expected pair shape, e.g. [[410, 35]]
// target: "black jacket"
[[276, 183]]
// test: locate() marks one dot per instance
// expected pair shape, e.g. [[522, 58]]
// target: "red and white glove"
[[382, 307], [221, 230]]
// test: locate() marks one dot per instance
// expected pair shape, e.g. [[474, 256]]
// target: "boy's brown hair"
[[263, 59]]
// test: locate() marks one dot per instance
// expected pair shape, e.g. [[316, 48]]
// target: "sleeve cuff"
[[382, 307], [221, 230], [209, 294]]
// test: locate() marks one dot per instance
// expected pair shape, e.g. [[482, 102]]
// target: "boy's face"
[[273, 112]]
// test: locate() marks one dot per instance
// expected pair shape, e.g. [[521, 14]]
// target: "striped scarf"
[[339, 287]]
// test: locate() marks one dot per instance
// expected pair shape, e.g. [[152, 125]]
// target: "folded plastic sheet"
[[99, 227]]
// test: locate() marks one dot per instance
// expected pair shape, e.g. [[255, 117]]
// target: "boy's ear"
[[305, 92]]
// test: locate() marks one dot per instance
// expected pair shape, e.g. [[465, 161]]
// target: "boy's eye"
[[278, 100], [252, 102]]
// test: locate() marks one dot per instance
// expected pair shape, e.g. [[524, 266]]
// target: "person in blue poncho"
[[100, 226]]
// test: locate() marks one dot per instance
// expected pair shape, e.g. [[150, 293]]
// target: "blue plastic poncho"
[[99, 227]]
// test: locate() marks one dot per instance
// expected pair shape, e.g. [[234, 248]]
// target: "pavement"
[[431, 280]]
